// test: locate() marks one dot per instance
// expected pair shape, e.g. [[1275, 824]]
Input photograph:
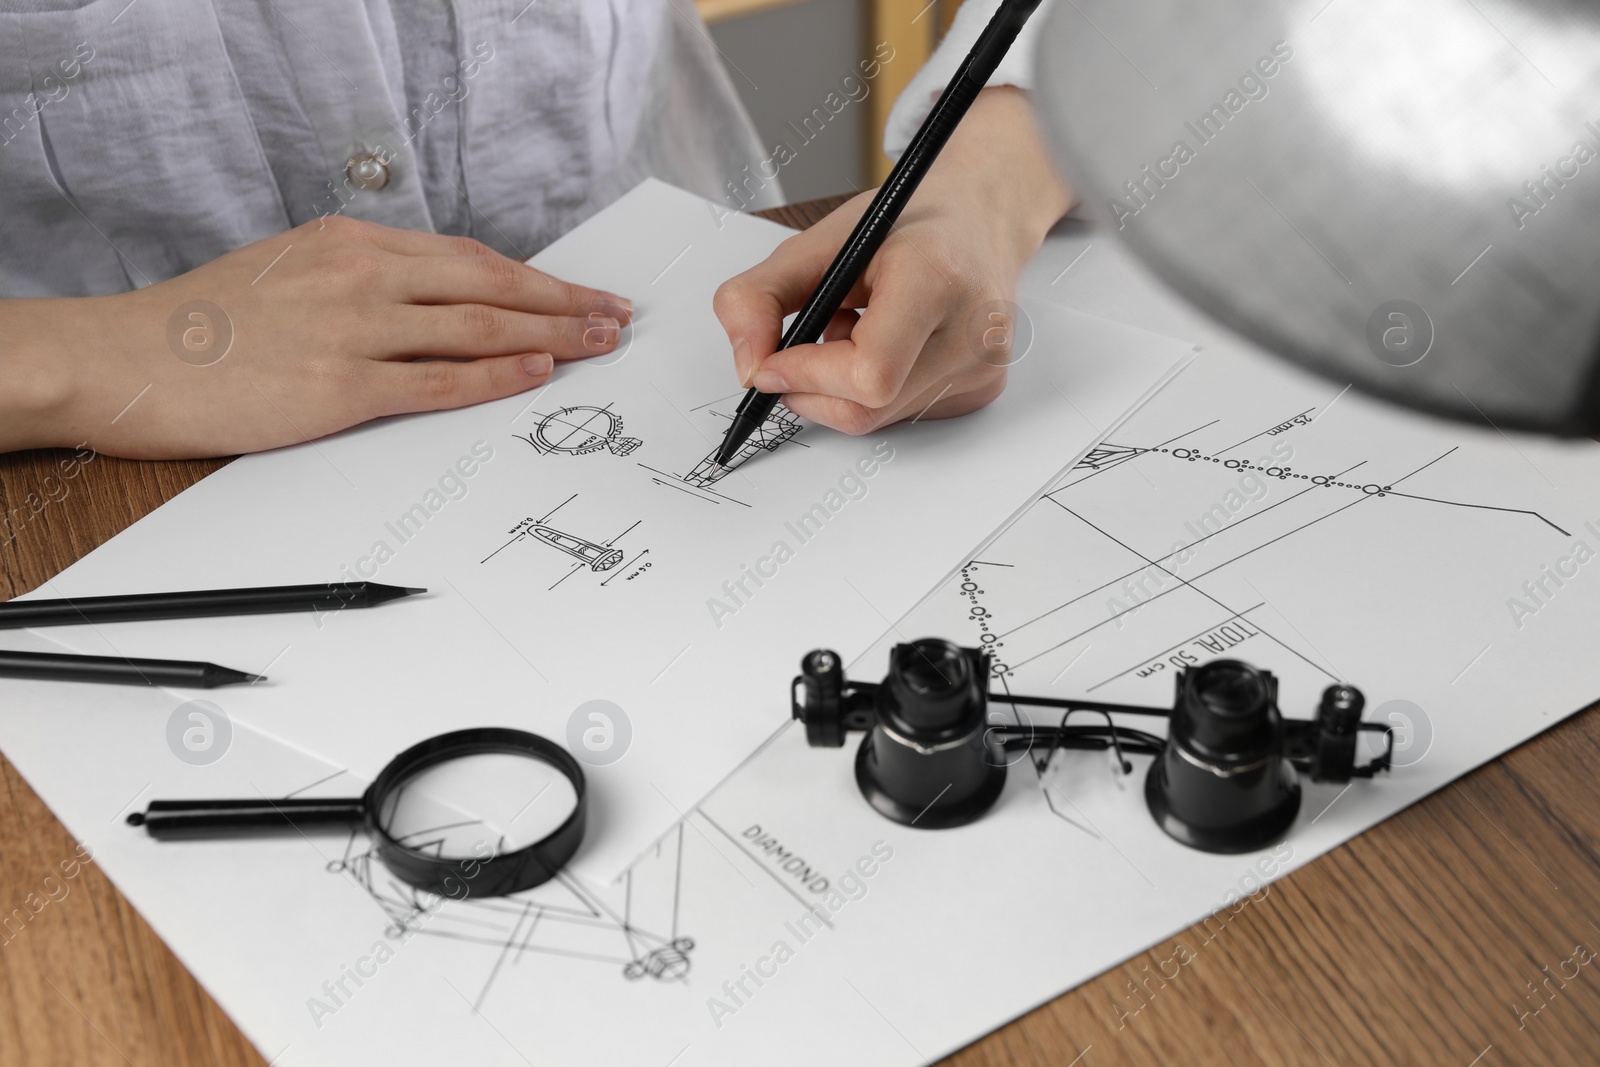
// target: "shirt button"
[[367, 170]]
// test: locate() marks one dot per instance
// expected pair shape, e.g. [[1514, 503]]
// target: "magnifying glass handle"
[[170, 819]]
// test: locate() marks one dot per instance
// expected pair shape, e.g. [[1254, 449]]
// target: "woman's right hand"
[[288, 339]]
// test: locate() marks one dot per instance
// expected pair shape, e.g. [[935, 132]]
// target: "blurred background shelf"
[[786, 56]]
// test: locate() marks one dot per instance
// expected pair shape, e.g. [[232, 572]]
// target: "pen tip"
[[254, 678], [136, 818], [412, 590]]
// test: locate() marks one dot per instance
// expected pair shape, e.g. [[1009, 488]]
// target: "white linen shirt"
[[922, 92], [141, 140]]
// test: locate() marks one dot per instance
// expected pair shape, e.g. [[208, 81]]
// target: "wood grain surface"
[[1431, 939]]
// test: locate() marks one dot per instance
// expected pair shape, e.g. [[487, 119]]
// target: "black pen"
[[880, 216], [198, 603], [176, 673]]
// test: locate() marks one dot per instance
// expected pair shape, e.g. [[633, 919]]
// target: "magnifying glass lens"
[[485, 811], [478, 805]]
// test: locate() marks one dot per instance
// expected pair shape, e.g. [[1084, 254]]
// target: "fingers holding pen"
[[752, 305], [941, 399], [868, 358]]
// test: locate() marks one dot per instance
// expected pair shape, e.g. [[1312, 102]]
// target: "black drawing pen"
[[880, 216]]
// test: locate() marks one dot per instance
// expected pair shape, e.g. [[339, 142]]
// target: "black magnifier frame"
[[497, 874]]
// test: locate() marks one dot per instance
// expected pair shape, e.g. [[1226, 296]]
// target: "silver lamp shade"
[[1399, 194]]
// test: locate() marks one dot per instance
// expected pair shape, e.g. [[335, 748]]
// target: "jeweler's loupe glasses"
[[1225, 778], [462, 814]]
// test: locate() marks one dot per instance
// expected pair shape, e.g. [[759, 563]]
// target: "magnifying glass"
[[482, 812]]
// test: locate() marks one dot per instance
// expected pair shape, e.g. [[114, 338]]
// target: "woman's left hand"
[[933, 338]]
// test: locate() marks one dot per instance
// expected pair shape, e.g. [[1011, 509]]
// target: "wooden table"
[[1416, 943]]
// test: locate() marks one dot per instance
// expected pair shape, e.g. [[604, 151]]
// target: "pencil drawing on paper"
[[1106, 456], [594, 556], [634, 925], [580, 430], [779, 427], [1264, 504], [562, 920]]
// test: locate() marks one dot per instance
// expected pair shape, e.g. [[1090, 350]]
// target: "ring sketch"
[[580, 430]]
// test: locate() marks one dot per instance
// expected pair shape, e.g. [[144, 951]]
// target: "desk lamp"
[[1403, 195]]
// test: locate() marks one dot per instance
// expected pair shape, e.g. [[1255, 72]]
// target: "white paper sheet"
[[702, 590], [1409, 598]]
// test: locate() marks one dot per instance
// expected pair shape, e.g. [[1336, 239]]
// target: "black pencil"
[[62, 667], [198, 603], [873, 227]]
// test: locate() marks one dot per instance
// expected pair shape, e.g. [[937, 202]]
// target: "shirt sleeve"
[[913, 105]]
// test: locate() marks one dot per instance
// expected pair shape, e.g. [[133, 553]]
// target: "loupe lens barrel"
[[178, 819], [1222, 783], [931, 681], [928, 761]]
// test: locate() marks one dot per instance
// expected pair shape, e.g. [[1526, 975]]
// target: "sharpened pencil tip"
[[212, 676], [377, 593]]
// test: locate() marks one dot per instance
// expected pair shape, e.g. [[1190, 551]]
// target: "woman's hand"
[[288, 339], [934, 337]]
